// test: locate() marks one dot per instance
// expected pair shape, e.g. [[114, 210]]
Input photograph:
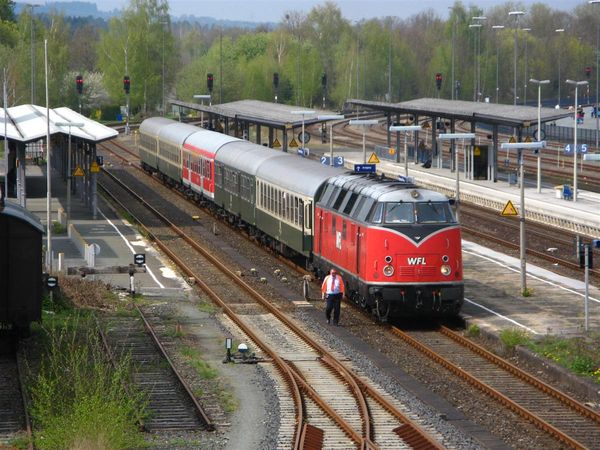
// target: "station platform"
[[113, 240], [547, 207]]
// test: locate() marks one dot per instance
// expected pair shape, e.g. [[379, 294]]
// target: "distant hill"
[[87, 9]]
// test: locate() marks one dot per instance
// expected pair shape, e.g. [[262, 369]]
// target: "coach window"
[[296, 211]]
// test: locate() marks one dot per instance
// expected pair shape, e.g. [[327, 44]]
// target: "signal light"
[[324, 81], [438, 81], [209, 82], [79, 84], [126, 84], [275, 80], [588, 72]]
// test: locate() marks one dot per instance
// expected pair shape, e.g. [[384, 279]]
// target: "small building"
[[20, 267]]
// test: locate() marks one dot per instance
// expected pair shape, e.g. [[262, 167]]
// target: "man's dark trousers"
[[333, 303]]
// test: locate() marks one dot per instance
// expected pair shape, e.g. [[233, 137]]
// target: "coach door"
[[307, 225]]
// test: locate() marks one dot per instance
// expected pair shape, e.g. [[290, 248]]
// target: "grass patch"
[[513, 337], [578, 354], [207, 307], [202, 368], [78, 398], [229, 402], [473, 330], [527, 292]]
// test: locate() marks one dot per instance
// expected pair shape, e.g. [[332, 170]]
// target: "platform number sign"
[[139, 259], [338, 161], [52, 282], [582, 149]]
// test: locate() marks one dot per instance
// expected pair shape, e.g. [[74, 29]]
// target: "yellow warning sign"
[[373, 159], [78, 172], [476, 151], [512, 140], [276, 143], [426, 125], [528, 139], [392, 151], [293, 143], [509, 209], [94, 167]]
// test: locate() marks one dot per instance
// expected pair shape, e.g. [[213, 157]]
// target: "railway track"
[[567, 420], [171, 402], [14, 419], [333, 406]]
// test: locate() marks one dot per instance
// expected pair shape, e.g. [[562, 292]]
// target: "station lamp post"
[[520, 146], [476, 59], [69, 174], [405, 129], [32, 39], [303, 113], [516, 15], [497, 28], [478, 20], [595, 2], [364, 123], [526, 30], [576, 84], [330, 118], [539, 128], [451, 137], [559, 30], [202, 97]]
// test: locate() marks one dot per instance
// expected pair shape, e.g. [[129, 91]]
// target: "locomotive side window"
[[350, 203], [434, 212], [333, 196], [399, 213], [365, 209], [339, 199], [358, 207], [377, 214], [327, 194], [343, 229], [333, 224]]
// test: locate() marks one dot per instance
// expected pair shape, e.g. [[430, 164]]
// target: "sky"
[[274, 10]]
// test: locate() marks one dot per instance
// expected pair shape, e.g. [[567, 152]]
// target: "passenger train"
[[397, 246]]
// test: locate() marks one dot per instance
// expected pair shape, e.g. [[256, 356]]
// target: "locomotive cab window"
[[434, 212], [399, 213], [377, 214]]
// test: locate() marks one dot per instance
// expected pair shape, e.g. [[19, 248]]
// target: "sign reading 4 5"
[[583, 148], [338, 161]]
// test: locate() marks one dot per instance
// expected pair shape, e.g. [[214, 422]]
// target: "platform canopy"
[[28, 123], [491, 113], [276, 115]]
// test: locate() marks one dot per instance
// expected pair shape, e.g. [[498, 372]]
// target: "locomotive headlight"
[[446, 270], [388, 270]]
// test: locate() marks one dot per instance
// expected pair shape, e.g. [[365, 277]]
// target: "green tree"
[[140, 45]]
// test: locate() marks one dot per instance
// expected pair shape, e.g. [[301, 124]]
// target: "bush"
[[79, 399], [473, 330]]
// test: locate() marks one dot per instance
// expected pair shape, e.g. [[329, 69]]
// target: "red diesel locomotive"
[[398, 246]]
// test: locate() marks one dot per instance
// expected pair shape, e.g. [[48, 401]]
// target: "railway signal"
[[275, 80], [209, 82], [588, 72], [438, 81], [126, 84], [79, 84]]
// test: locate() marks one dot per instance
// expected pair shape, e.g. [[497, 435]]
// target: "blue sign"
[[338, 161], [303, 151], [582, 149], [364, 168]]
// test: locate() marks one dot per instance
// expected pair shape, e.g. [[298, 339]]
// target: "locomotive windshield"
[[407, 213]]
